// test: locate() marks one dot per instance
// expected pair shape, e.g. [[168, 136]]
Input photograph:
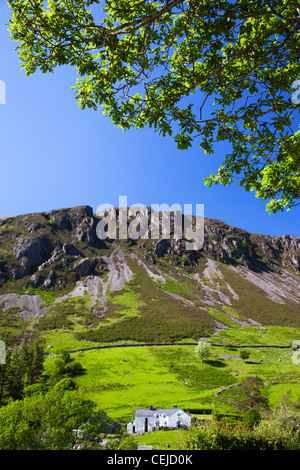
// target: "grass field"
[[162, 440], [119, 380]]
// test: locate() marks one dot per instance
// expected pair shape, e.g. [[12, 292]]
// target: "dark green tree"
[[15, 375], [36, 363], [24, 360], [244, 355], [3, 379], [229, 436], [23, 367]]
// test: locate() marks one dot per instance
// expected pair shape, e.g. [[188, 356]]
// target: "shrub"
[[244, 355], [126, 442], [225, 436], [286, 418], [251, 418]]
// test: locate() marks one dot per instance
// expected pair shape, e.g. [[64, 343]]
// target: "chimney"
[[175, 406], [151, 407]]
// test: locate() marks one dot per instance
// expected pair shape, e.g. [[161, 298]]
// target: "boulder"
[[70, 250], [83, 267], [50, 280]]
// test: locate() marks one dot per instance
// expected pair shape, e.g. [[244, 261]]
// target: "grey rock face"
[[55, 238], [83, 267], [86, 231], [36, 280], [60, 218], [50, 280], [29, 248], [29, 305], [68, 219], [32, 248], [17, 272], [70, 250], [31, 228]]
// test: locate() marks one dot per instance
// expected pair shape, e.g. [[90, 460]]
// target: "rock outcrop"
[[40, 244]]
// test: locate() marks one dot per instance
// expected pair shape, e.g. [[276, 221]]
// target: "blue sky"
[[54, 155]]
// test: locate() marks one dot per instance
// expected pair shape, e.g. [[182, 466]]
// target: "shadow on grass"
[[216, 363]]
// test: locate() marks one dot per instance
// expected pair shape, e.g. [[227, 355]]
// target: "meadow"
[[119, 380]]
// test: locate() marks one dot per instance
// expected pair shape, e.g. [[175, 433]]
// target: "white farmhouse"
[[151, 419]]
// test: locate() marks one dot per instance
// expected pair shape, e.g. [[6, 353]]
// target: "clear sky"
[[54, 155]]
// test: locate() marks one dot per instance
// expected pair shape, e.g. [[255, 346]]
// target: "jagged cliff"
[[50, 259]]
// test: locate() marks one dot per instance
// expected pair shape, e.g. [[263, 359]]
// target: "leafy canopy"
[[163, 65], [48, 421]]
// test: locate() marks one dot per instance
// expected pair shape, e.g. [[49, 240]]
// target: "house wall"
[[181, 417], [139, 425], [159, 420], [162, 419]]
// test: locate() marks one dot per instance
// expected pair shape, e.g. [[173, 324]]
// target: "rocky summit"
[[56, 273]]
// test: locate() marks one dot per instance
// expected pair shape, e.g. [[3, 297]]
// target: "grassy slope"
[[122, 379], [145, 312], [150, 315]]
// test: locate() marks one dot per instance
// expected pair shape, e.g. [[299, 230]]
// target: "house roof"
[[155, 411]]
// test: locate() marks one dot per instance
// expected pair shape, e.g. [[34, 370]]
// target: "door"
[[146, 424]]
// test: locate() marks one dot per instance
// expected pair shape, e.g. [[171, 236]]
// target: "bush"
[[251, 418], [35, 389], [126, 442], [286, 418], [244, 355], [60, 366], [225, 436], [65, 384]]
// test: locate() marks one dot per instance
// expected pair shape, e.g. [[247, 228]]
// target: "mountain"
[[56, 274]]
